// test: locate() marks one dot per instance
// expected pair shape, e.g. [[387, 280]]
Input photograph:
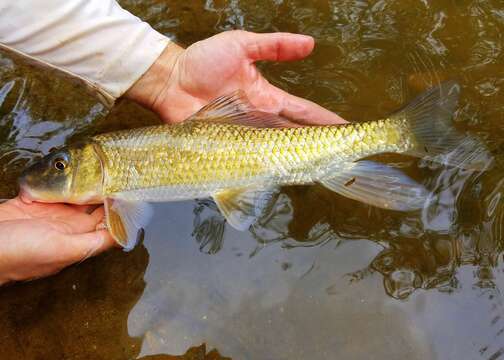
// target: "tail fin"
[[430, 119]]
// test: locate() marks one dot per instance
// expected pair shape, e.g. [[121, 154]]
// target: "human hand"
[[182, 81], [38, 240]]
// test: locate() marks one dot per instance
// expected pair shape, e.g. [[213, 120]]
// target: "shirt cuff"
[[95, 41]]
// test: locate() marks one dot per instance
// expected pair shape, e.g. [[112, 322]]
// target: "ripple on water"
[[322, 277]]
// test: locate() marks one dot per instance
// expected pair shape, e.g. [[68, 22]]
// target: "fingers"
[[98, 215], [276, 46], [79, 247], [88, 209], [306, 112], [78, 222], [272, 99]]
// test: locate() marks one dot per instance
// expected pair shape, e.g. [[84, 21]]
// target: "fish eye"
[[60, 164]]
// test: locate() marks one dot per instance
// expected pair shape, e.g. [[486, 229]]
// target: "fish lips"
[[29, 179], [25, 193]]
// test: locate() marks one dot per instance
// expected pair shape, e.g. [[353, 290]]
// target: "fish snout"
[[25, 182]]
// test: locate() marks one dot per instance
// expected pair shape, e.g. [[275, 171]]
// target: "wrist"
[[148, 89]]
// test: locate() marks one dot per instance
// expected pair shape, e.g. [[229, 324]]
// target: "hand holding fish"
[[240, 156], [236, 149], [181, 81], [40, 239]]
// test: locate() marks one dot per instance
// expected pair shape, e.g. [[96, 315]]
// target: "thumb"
[[277, 46], [79, 247]]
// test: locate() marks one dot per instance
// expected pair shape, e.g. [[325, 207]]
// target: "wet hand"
[[38, 240], [181, 81]]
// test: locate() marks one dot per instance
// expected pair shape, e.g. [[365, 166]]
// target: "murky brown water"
[[340, 280]]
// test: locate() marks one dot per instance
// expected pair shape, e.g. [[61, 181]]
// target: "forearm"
[[95, 41]]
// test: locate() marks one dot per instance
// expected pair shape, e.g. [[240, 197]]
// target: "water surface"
[[331, 278]]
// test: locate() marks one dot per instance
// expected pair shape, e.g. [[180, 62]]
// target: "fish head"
[[72, 174]]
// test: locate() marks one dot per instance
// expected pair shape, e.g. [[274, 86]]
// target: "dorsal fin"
[[236, 109]]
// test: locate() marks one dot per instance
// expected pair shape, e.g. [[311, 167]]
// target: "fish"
[[240, 156]]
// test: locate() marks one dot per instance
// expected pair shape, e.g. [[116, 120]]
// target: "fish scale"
[[213, 155]]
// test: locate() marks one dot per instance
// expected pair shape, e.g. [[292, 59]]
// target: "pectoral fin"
[[379, 185], [124, 220], [243, 206]]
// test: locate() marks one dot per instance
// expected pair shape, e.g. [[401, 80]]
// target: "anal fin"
[[379, 185]]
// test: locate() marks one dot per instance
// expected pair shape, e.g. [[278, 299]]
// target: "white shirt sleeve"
[[94, 40]]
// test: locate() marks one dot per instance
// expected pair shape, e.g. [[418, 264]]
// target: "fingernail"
[[307, 37], [101, 226]]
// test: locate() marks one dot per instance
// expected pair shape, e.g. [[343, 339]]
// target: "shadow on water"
[[322, 277]]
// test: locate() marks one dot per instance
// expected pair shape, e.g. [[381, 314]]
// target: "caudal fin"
[[430, 118]]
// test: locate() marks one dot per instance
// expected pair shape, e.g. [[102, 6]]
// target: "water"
[[336, 279]]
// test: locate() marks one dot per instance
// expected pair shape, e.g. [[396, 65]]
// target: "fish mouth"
[[28, 196], [25, 195]]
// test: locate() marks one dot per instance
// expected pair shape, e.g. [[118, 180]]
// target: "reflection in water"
[[208, 226], [196, 353], [319, 277], [421, 251], [88, 301]]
